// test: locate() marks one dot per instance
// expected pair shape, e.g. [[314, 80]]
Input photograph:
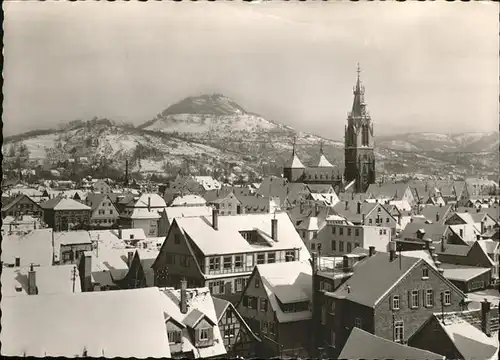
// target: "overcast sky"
[[426, 66]]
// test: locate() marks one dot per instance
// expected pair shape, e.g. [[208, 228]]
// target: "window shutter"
[[409, 299], [424, 298]]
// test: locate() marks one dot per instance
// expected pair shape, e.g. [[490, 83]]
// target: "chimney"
[[346, 205], [32, 289], [345, 263], [482, 227], [362, 219], [399, 219], [120, 233], [149, 203], [352, 195], [371, 250], [392, 251], [316, 210], [215, 219], [437, 217], [359, 207], [130, 256], [183, 303], [274, 229], [314, 261], [427, 242], [486, 317], [443, 245], [440, 205], [18, 261], [239, 208], [432, 251]]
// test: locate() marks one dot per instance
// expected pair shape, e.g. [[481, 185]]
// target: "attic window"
[[131, 236]]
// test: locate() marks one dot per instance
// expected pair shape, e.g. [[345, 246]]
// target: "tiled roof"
[[104, 323], [351, 213], [320, 188], [253, 203], [373, 277], [363, 345], [289, 282], [94, 200], [452, 249], [220, 306], [15, 201]]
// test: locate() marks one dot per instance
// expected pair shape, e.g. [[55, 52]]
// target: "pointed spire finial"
[[293, 146], [321, 147], [359, 71]]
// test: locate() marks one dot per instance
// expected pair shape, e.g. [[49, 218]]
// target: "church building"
[[359, 143], [359, 154]]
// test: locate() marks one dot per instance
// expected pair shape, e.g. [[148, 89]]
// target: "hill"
[[213, 133]]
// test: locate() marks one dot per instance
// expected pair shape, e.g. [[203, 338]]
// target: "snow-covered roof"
[[208, 182], [103, 323], [323, 162], [133, 234], [309, 224], [228, 239], [34, 247], [489, 246], [66, 204], [187, 200], [471, 342], [420, 254], [199, 301], [294, 162], [49, 280], [174, 212], [462, 272], [153, 200], [72, 237], [289, 282], [143, 213]]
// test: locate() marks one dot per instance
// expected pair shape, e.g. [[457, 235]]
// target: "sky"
[[426, 67]]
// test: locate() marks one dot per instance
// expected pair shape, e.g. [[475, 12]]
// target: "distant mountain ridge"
[[214, 132]]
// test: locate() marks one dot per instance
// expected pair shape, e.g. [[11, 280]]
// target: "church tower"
[[293, 169], [359, 144]]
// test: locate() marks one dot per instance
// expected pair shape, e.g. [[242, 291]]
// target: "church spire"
[[294, 162], [358, 105]]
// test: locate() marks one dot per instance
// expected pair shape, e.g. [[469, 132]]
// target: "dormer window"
[[203, 334], [131, 236]]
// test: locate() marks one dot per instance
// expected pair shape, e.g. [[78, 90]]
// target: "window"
[[385, 232], [174, 337], [216, 287], [203, 334], [356, 245], [323, 315], [425, 272], [356, 232], [334, 245], [429, 298], [252, 302], [461, 233], [264, 327], [380, 232], [357, 322], [18, 261], [333, 230], [238, 261], [398, 331], [272, 328], [215, 263], [341, 246], [387, 220], [257, 283], [341, 231], [332, 338], [395, 302], [290, 255], [263, 305], [271, 258], [177, 239], [370, 221], [414, 299], [110, 212], [447, 298], [476, 285], [184, 261], [349, 232], [332, 307], [261, 258], [349, 247], [238, 285], [228, 261], [315, 234], [313, 246]]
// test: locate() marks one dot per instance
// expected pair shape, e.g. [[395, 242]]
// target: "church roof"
[[323, 162], [294, 162]]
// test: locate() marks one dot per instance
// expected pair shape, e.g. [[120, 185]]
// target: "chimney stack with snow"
[[32, 288], [274, 229], [486, 317]]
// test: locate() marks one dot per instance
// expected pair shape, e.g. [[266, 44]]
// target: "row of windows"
[[268, 327], [219, 286], [103, 221], [256, 303], [183, 260], [103, 212], [215, 263], [341, 246], [341, 231], [414, 299]]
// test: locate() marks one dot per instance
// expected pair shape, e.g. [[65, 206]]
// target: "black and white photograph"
[[250, 179]]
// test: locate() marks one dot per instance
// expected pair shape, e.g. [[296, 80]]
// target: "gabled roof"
[[253, 203], [94, 200], [431, 212], [462, 272], [153, 200], [290, 282], [16, 200], [432, 231], [93, 322], [363, 345], [393, 191], [187, 211], [220, 306], [374, 276], [189, 200], [351, 213]]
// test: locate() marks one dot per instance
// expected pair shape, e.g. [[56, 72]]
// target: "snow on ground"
[[38, 145]]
